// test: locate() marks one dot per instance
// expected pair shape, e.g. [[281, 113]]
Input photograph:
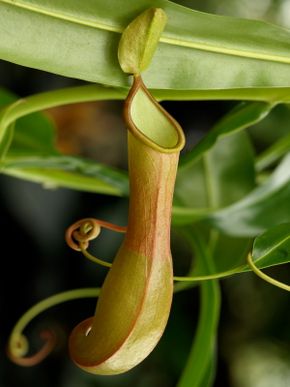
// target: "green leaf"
[[6, 140], [273, 246], [262, 132], [33, 135], [17, 110], [23, 107], [263, 208], [32, 155], [223, 175], [241, 117], [196, 178], [80, 41], [139, 40], [273, 153], [229, 170], [229, 166], [34, 132], [274, 144], [68, 172]]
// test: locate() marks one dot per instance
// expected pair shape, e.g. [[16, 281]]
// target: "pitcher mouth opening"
[[149, 122]]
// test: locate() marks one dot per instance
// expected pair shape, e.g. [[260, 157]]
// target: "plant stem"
[[203, 348]]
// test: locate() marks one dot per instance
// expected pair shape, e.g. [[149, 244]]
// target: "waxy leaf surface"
[[52, 34]]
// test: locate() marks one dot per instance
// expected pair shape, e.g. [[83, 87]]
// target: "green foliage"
[[32, 156], [246, 54], [241, 117], [273, 246], [223, 190], [264, 207], [201, 357]]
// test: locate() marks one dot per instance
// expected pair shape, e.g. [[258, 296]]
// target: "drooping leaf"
[[246, 53]]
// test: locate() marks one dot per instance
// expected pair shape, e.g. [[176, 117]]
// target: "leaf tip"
[[139, 40]]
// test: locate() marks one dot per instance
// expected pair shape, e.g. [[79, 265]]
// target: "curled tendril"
[[18, 348], [264, 276], [80, 233], [87, 229], [18, 345]]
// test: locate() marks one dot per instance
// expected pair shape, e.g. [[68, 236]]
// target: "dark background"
[[254, 333]]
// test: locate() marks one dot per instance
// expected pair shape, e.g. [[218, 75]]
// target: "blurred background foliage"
[[254, 336]]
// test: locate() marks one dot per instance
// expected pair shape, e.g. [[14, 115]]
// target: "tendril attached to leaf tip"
[[80, 233], [264, 276]]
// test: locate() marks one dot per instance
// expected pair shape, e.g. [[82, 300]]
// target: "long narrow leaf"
[[80, 41], [53, 178], [69, 172]]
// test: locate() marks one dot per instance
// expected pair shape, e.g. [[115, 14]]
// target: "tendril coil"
[[80, 233], [78, 236], [19, 347]]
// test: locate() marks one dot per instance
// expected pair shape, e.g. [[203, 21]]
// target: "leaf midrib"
[[281, 242], [164, 39]]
